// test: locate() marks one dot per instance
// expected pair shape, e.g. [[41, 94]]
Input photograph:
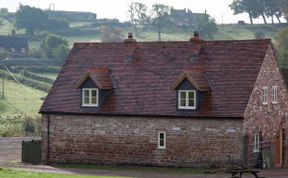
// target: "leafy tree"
[[206, 25], [160, 17], [263, 8], [137, 15], [273, 8], [55, 47], [241, 6], [282, 47], [254, 8], [31, 19]]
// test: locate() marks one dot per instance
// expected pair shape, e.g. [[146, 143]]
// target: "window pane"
[[191, 95], [86, 100], [182, 95], [182, 102], [161, 142], [94, 100], [94, 93], [191, 102], [86, 93], [161, 136]]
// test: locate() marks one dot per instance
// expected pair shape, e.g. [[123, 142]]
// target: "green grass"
[[19, 104], [170, 170], [6, 173], [47, 75]]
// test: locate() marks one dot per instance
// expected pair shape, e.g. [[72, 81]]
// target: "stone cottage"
[[180, 103]]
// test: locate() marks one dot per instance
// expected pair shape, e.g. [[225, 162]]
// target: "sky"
[[218, 9]]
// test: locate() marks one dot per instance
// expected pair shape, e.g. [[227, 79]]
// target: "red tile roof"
[[100, 76], [144, 81]]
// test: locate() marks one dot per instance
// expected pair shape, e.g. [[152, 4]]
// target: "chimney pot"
[[130, 35], [196, 34]]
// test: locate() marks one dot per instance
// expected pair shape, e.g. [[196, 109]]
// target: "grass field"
[[5, 173], [20, 103]]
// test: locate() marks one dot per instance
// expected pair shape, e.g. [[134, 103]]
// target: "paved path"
[[10, 148], [10, 157]]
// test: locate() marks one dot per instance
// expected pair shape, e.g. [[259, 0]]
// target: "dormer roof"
[[197, 77], [100, 76]]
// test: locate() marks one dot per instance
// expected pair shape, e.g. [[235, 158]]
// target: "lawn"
[[5, 173]]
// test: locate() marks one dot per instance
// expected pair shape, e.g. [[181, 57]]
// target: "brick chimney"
[[196, 43], [130, 45]]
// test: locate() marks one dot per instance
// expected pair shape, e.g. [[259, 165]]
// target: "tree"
[[137, 15], [30, 19], [240, 6], [254, 8], [273, 8], [55, 47], [282, 47], [206, 25], [263, 8], [160, 17]]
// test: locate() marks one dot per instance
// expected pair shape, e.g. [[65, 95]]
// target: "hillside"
[[20, 104], [24, 91], [225, 32]]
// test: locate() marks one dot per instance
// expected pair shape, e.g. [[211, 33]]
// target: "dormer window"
[[186, 99], [95, 85], [90, 97], [191, 86]]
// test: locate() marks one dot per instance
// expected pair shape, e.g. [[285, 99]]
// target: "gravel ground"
[[10, 157]]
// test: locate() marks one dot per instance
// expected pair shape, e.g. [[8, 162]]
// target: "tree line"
[[32, 19], [159, 17], [261, 8]]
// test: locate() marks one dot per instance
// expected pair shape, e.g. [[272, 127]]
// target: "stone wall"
[[133, 140], [267, 119]]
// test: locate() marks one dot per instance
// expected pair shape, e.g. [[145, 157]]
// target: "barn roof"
[[144, 80]]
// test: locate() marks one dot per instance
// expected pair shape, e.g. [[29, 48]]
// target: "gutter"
[[142, 115]]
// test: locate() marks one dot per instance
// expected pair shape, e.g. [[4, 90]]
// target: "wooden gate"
[[32, 151], [278, 149]]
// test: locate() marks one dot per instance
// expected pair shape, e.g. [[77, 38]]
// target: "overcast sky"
[[118, 8]]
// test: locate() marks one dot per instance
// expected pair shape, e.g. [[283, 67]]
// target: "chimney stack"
[[196, 43], [130, 45]]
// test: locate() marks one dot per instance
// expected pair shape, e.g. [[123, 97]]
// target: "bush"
[[32, 126]]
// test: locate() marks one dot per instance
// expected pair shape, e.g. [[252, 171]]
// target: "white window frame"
[[256, 145], [274, 94], [164, 140], [90, 96], [187, 99], [265, 95]]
